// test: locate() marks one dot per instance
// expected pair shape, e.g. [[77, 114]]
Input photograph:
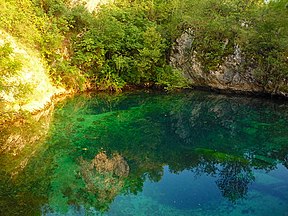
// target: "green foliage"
[[20, 20], [216, 26], [267, 44], [129, 42], [171, 78], [11, 81], [9, 65], [68, 75], [122, 47]]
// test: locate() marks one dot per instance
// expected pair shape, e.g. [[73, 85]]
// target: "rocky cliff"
[[232, 75]]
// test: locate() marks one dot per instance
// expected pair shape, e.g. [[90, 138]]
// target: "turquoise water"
[[187, 153]]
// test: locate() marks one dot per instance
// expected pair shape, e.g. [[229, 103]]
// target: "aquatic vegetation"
[[155, 153]]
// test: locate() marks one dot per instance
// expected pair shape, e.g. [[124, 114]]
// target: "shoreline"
[[19, 117]]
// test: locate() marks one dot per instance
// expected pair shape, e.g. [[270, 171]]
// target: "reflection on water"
[[21, 144], [104, 176], [151, 154], [233, 180]]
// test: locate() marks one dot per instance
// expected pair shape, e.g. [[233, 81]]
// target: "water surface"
[[194, 153]]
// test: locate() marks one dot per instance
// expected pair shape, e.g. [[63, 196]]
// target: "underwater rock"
[[104, 177], [116, 165]]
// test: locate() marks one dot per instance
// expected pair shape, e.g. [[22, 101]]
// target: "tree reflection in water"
[[103, 146], [233, 181]]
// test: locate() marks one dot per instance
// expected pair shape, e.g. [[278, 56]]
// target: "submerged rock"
[[116, 165], [104, 177]]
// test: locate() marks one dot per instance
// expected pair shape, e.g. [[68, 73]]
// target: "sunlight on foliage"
[[122, 43]]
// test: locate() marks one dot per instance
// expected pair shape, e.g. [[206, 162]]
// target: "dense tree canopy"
[[128, 42]]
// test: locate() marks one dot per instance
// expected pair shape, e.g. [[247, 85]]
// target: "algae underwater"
[[155, 153]]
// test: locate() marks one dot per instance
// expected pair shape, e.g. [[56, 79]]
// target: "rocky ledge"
[[229, 76]]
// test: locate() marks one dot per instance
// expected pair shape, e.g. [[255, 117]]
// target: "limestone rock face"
[[29, 88], [230, 75]]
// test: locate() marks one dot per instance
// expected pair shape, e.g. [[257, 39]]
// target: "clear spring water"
[[193, 153]]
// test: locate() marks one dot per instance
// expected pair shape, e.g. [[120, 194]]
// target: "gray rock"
[[231, 75]]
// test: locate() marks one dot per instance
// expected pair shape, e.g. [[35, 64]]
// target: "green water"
[[193, 153]]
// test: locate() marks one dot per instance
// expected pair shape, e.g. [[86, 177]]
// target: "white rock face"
[[32, 76]]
